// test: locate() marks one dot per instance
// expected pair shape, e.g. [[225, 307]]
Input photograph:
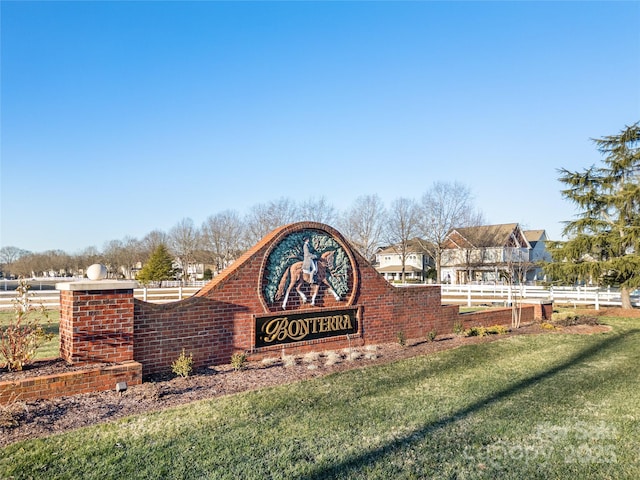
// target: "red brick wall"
[[211, 326], [388, 310], [496, 316], [96, 325], [83, 381], [218, 320]]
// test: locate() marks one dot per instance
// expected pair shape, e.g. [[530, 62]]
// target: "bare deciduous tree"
[[265, 217], [84, 259], [222, 236], [517, 265], [185, 241], [317, 211], [151, 242], [363, 224], [443, 207], [402, 226], [116, 258], [131, 255], [8, 256], [43, 264]]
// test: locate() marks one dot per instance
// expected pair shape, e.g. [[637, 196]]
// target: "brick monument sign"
[[300, 288]]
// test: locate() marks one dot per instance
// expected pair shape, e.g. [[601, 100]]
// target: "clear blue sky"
[[119, 118]]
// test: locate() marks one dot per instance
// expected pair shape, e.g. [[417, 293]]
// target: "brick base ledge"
[[71, 383]]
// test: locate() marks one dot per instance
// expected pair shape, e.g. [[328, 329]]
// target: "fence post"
[[144, 293], [598, 299], [469, 295], [180, 292]]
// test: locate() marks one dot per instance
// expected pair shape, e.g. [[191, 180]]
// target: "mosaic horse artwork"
[[296, 278]]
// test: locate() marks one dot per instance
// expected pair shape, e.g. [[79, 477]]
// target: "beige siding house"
[[491, 253], [418, 262]]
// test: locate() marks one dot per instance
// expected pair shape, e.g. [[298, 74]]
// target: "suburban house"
[[418, 263], [538, 252], [493, 253]]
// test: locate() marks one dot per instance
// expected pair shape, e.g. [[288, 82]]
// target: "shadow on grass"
[[369, 457], [53, 328]]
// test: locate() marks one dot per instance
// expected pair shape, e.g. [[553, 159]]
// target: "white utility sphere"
[[97, 271]]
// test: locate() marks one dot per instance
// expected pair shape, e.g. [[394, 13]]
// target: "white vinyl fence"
[[468, 295], [473, 295], [51, 298]]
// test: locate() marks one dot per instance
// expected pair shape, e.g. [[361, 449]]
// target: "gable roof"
[[415, 245], [534, 236], [484, 236]]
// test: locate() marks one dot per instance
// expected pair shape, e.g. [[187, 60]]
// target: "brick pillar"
[[543, 310], [96, 321]]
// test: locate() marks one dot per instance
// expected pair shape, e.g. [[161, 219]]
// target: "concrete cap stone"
[[89, 285]]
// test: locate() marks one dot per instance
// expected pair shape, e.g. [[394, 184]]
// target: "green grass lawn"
[[48, 349], [550, 406]]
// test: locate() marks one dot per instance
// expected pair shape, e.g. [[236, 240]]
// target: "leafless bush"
[[25, 333]]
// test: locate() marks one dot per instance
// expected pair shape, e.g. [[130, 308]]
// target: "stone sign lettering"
[[296, 327]]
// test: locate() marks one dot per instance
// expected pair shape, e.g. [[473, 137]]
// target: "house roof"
[[486, 236], [398, 269], [415, 245], [534, 236]]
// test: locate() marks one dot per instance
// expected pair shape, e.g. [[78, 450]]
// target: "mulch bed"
[[24, 420]]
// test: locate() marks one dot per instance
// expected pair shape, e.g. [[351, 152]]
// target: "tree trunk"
[[625, 297]]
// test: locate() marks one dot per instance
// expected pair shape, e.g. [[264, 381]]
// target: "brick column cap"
[[89, 285]]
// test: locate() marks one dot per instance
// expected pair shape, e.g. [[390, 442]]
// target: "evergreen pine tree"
[[604, 240], [159, 267]]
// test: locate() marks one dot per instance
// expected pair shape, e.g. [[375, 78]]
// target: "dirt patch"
[[24, 420]]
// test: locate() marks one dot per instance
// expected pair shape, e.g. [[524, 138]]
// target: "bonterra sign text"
[[297, 327]]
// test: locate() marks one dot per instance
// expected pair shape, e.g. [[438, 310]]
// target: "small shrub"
[[310, 357], [475, 332], [458, 328], [289, 361], [333, 358], [352, 355], [547, 326], [402, 339], [24, 335], [484, 331], [497, 330], [370, 352], [183, 365], [239, 361], [431, 335], [269, 361]]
